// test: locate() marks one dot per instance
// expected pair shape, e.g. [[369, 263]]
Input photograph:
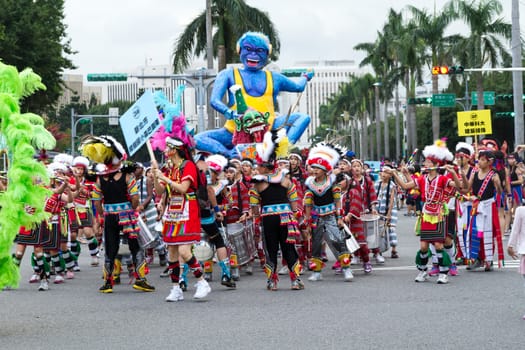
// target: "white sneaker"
[[442, 279], [43, 285], [348, 274], [380, 259], [94, 260], [58, 279], [34, 278], [422, 276], [284, 270], [249, 269], [202, 289], [316, 276], [355, 261], [175, 294]]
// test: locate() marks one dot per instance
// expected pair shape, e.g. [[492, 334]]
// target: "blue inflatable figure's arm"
[[222, 84], [283, 83]]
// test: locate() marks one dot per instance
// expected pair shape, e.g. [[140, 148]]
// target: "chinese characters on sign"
[[472, 123], [140, 122]]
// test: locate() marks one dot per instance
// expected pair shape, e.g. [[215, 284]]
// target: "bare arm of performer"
[[455, 182], [497, 183], [410, 184]]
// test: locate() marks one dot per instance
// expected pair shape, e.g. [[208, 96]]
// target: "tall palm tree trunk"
[[435, 110]]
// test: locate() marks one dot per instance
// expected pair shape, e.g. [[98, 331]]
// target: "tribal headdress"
[[324, 156], [463, 148], [173, 121], [103, 149], [438, 152], [275, 144]]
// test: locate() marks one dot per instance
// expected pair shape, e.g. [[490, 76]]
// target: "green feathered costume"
[[23, 132]]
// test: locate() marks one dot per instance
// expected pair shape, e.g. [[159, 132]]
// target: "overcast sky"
[[120, 35]]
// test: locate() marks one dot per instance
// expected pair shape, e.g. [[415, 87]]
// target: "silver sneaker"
[[348, 274], [442, 279], [175, 294], [422, 276], [202, 289], [316, 276], [44, 285]]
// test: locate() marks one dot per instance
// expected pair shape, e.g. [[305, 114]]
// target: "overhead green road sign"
[[443, 100], [489, 98], [107, 77]]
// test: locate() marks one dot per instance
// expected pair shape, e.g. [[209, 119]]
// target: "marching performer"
[[322, 208], [483, 185], [464, 157], [386, 206], [274, 199], [82, 222], [361, 198], [212, 214], [432, 228], [238, 211], [116, 197], [181, 221]]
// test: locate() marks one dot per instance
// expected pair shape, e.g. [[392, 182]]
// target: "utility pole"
[[517, 79], [209, 38]]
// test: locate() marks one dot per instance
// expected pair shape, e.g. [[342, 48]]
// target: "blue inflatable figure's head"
[[254, 49]]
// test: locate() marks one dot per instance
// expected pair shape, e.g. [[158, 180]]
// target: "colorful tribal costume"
[[212, 217], [361, 198], [273, 198], [181, 219], [83, 218], [276, 195], [322, 206], [239, 208], [484, 184], [116, 197], [387, 190], [435, 193]]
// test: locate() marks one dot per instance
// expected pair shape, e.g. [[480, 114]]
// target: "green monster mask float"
[[23, 133]]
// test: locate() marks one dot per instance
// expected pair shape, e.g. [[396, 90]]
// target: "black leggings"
[[112, 242], [275, 235], [214, 236]]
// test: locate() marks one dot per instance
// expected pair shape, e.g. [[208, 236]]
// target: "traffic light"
[[456, 70], [436, 70], [505, 114], [420, 101], [107, 77]]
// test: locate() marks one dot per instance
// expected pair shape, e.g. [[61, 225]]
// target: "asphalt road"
[[383, 310]]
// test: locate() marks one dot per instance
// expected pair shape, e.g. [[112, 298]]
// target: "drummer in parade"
[[238, 213], [213, 215], [360, 200]]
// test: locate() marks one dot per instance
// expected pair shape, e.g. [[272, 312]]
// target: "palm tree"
[[431, 29], [230, 18], [483, 47]]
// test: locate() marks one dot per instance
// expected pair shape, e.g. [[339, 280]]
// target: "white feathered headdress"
[[438, 152], [324, 156]]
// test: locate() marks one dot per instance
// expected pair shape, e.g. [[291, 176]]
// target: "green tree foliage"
[[231, 19], [32, 34]]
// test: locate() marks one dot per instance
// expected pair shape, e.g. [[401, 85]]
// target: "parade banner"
[[476, 122], [140, 122]]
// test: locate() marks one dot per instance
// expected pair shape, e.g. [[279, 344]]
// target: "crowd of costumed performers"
[[236, 200]]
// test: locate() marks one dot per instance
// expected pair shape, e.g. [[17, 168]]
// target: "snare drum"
[[242, 242], [371, 229], [145, 236]]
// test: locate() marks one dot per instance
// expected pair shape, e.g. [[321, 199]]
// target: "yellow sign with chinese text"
[[472, 123]]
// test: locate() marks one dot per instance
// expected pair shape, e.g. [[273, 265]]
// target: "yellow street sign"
[[472, 123]]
